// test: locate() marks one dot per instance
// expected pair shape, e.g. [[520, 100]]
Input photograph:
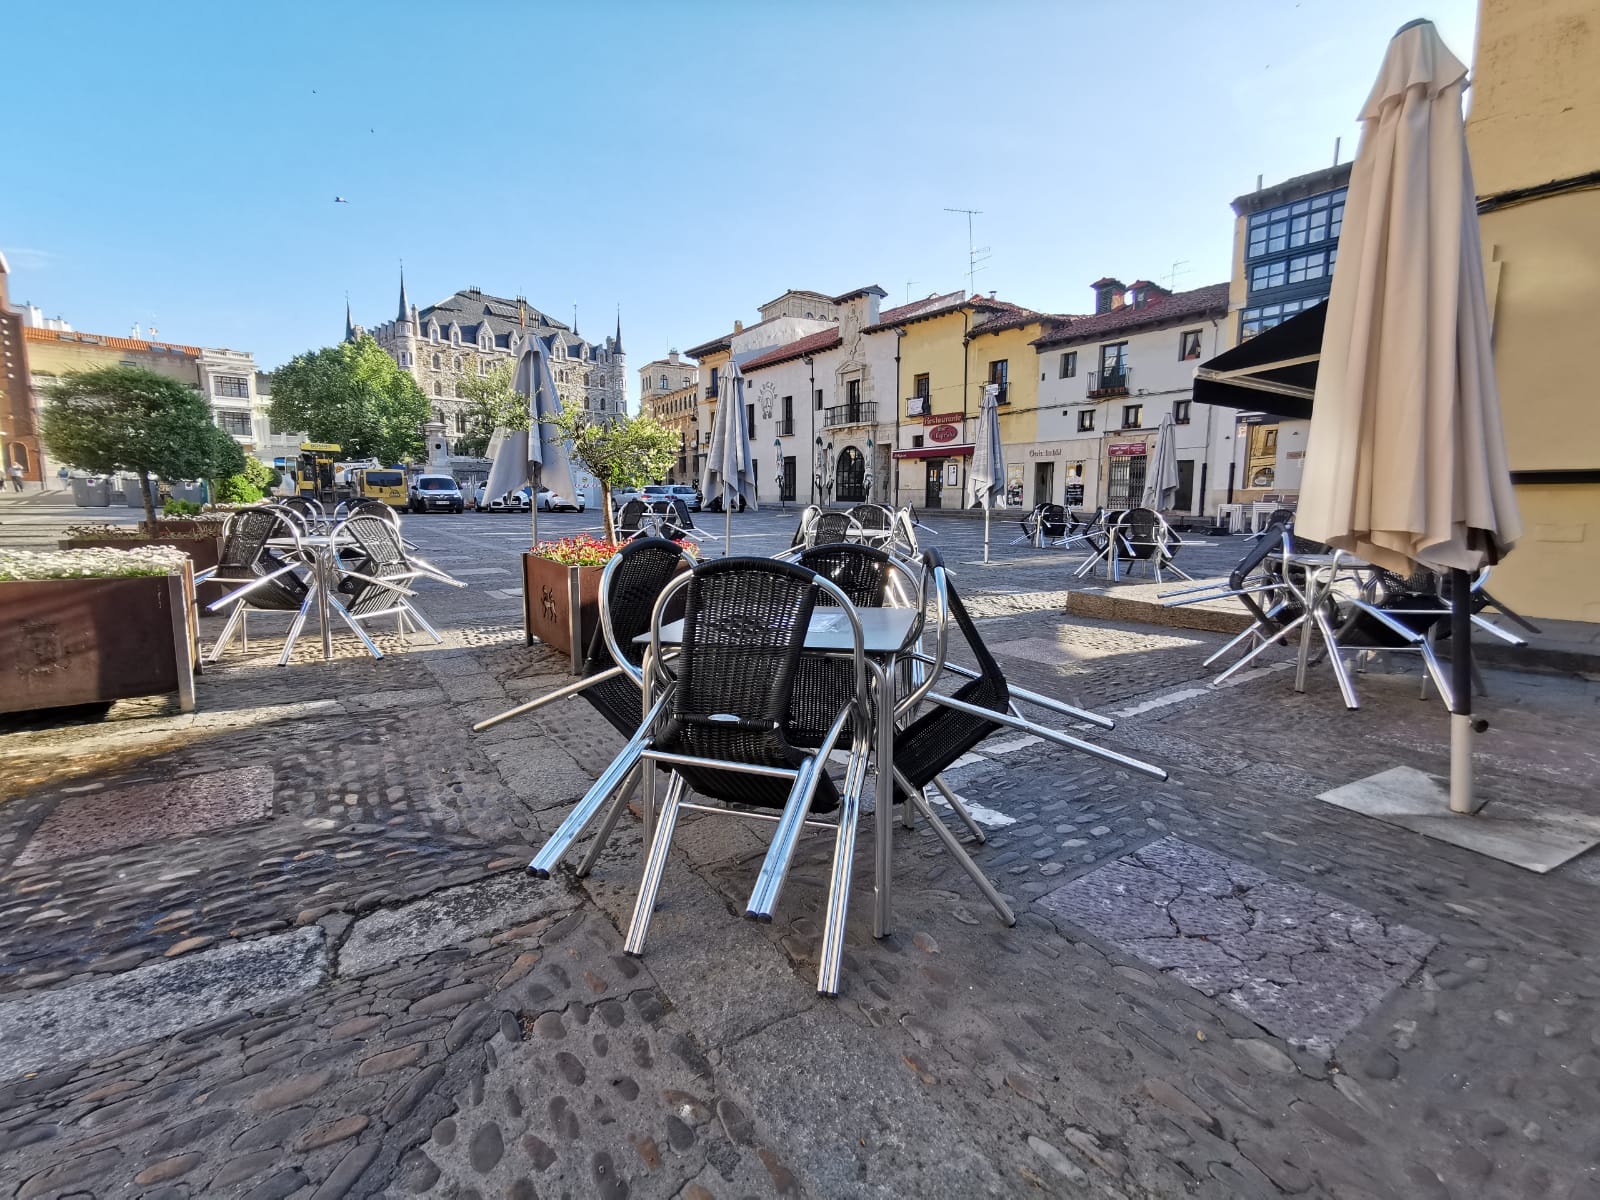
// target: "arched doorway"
[[19, 455], [850, 478]]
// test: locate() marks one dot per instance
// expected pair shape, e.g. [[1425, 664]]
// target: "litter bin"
[[194, 493], [91, 493], [130, 493]]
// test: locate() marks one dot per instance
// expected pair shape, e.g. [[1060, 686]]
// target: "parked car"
[[516, 501], [436, 493], [674, 491], [479, 502], [621, 496], [555, 502], [715, 504]]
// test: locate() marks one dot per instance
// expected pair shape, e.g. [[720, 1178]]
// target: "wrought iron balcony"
[[786, 427], [1114, 382], [711, 391], [850, 414]]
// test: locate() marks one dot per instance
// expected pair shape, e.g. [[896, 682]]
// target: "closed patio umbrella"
[[730, 471], [1406, 460], [537, 455], [983, 478], [1161, 476]]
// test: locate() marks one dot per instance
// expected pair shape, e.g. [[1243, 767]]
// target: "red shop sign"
[[1126, 450], [943, 433]]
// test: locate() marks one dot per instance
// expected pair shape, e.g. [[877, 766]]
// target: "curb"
[[1111, 607]]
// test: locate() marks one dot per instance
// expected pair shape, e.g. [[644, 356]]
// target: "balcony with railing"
[[785, 426], [711, 391], [842, 415], [1113, 381]]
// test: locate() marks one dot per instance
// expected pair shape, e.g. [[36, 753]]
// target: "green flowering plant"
[[18, 566]]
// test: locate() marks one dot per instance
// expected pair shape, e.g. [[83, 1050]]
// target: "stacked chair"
[[737, 708]]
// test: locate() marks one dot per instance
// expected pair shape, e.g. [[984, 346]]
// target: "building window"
[[437, 362], [1086, 420], [1303, 223], [232, 385], [455, 364], [1069, 364], [818, 397], [750, 420], [1132, 416], [715, 378], [1113, 365], [438, 388], [1189, 344], [1264, 316], [786, 429], [663, 383], [461, 390], [916, 441], [919, 386], [461, 422], [999, 371], [1180, 412], [236, 423]]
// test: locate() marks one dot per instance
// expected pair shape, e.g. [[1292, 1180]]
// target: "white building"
[[821, 408], [227, 380], [1106, 382]]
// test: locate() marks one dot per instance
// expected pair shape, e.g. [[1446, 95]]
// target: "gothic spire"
[[619, 329], [405, 308], [349, 325]]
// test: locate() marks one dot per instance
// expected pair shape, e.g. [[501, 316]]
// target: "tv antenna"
[[1172, 275], [910, 283], [975, 254]]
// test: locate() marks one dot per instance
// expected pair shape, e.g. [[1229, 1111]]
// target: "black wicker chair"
[[261, 578], [376, 581], [875, 522], [728, 730], [829, 528], [613, 678], [802, 529], [1045, 521], [629, 517], [1143, 535], [313, 519]]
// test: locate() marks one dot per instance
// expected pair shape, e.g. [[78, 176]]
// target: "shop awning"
[[936, 452], [1275, 372]]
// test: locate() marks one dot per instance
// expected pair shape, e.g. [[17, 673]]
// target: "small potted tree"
[[561, 579], [92, 626]]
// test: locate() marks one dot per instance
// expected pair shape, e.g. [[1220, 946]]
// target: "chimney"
[[672, 357], [738, 326], [1108, 294]]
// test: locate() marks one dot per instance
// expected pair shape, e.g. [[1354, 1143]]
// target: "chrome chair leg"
[[421, 620], [1232, 642], [831, 952], [954, 801], [654, 867], [630, 785], [355, 625], [297, 625], [961, 856], [226, 635]]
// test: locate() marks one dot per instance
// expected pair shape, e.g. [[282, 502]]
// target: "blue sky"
[[178, 164]]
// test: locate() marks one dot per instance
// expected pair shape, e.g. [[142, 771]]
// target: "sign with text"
[[943, 433], [1126, 449]]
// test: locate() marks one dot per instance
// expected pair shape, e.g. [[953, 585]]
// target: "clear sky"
[[178, 163]]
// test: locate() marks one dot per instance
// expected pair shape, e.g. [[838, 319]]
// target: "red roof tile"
[[30, 334], [825, 339], [1158, 310]]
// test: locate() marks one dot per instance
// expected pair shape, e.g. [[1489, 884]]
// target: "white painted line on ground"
[[1156, 702], [483, 571], [982, 814], [1018, 743]]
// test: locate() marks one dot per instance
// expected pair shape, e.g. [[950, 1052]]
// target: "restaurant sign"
[[1126, 449], [943, 433]]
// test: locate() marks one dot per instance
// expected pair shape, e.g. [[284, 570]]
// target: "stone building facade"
[[669, 394], [470, 332]]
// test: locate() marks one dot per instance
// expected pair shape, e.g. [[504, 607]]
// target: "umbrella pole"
[[727, 525], [1461, 798], [986, 532]]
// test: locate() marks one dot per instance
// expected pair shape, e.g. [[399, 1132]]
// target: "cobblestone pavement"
[[283, 946]]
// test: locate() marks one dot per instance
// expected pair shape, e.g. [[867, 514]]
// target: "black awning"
[[1275, 372]]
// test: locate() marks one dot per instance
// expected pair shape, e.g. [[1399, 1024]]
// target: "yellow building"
[[1534, 136], [950, 347], [712, 359]]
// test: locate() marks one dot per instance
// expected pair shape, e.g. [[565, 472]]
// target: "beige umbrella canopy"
[[1406, 460]]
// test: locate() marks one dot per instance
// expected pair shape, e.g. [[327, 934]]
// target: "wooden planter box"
[[560, 606], [89, 641], [203, 552]]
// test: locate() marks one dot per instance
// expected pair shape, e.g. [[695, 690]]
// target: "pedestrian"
[[16, 476], [65, 476]]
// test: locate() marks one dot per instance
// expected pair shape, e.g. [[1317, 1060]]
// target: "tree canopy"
[[355, 395], [133, 419], [618, 450], [492, 403]]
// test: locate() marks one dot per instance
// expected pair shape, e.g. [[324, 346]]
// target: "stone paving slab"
[[112, 820], [1305, 966]]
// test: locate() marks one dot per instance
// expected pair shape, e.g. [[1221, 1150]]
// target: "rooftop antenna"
[[910, 283], [1172, 275], [1336, 142], [975, 254]]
